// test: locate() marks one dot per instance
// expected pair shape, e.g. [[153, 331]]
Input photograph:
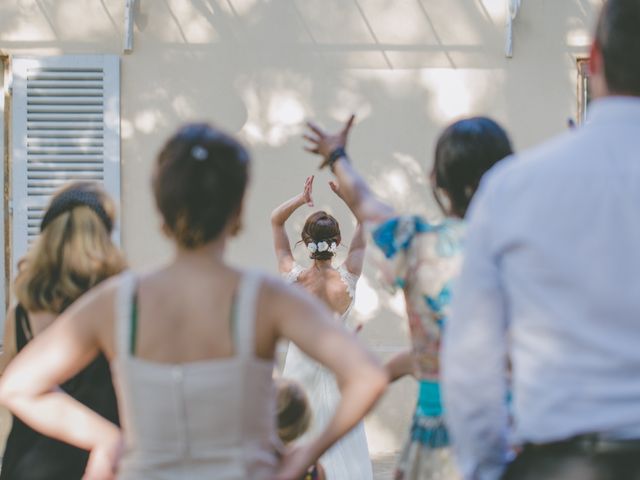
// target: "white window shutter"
[[65, 127]]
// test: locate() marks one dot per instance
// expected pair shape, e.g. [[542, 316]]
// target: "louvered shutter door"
[[66, 127]]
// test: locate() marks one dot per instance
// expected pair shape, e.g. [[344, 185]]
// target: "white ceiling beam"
[[128, 26], [513, 7]]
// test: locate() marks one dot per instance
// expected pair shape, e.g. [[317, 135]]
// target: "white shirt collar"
[[614, 109]]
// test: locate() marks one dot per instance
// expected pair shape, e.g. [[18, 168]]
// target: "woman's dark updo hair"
[[199, 182], [321, 227], [464, 153]]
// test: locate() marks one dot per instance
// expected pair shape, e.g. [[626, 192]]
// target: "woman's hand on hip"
[[295, 462], [104, 459]]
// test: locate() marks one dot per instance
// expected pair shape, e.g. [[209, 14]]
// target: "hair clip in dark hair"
[[67, 201], [198, 152]]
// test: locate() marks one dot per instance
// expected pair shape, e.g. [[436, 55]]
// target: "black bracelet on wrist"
[[335, 155]]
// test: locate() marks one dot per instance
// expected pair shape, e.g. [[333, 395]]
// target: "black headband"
[[67, 201]]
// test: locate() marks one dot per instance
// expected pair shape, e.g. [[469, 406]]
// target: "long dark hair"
[[464, 152]]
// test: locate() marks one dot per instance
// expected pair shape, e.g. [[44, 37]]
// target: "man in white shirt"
[[551, 281]]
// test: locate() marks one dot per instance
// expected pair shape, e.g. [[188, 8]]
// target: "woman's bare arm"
[[29, 385], [9, 347], [361, 379], [279, 217], [355, 257], [400, 365]]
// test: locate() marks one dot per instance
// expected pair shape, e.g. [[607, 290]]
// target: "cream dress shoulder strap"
[[246, 313]]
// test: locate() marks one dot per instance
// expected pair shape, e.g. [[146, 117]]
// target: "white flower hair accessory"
[[322, 247], [199, 153]]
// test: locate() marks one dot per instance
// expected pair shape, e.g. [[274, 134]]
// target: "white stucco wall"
[[259, 68]]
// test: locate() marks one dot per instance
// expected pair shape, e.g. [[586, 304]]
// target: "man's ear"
[[596, 66], [597, 81]]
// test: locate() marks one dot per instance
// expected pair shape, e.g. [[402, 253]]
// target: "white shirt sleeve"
[[474, 355]]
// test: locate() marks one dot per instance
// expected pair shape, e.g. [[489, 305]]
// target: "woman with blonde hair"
[[191, 344], [73, 253]]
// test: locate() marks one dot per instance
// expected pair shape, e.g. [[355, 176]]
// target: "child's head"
[[294, 412]]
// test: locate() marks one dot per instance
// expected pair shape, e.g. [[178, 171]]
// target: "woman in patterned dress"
[[421, 259]]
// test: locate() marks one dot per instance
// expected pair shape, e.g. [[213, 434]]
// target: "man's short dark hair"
[[618, 36]]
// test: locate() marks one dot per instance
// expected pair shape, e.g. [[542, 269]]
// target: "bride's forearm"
[[282, 213]]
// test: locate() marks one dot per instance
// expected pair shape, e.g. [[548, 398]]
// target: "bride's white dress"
[[349, 458]]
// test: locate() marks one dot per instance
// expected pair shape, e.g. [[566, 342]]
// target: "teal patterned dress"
[[422, 259]]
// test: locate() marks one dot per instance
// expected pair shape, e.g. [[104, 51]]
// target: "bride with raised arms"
[[335, 286]]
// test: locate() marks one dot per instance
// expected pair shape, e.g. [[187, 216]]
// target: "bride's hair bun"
[[321, 227]]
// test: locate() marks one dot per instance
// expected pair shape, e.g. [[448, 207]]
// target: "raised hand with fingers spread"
[[328, 145], [307, 193], [351, 187]]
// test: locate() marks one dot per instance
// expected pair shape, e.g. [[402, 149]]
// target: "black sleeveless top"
[[30, 455]]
